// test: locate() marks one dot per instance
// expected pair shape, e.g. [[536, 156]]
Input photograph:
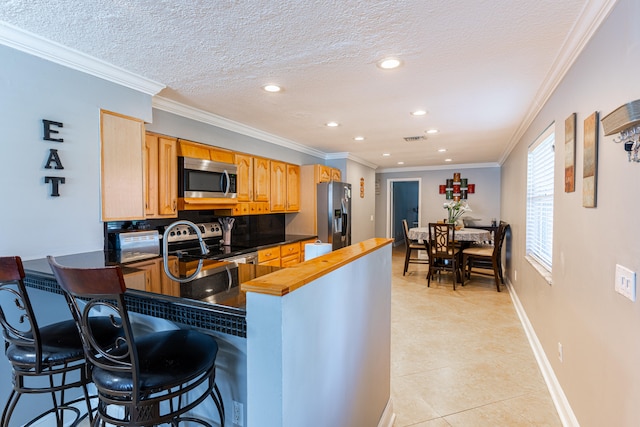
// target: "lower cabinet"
[[289, 254], [269, 256], [284, 255]]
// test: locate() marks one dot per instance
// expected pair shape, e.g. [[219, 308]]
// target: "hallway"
[[461, 359]]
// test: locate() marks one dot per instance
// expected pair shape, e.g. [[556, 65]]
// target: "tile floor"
[[461, 358]]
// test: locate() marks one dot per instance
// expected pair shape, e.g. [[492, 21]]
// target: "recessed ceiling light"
[[447, 160], [359, 138], [401, 163], [418, 113], [389, 63], [386, 154], [432, 131], [272, 88], [332, 124], [442, 150]]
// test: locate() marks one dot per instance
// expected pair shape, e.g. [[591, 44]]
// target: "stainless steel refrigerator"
[[334, 213]]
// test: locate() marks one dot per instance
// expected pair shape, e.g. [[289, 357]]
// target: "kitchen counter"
[[211, 300]]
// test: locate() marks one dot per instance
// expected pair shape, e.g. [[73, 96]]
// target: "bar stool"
[[42, 358], [141, 381]]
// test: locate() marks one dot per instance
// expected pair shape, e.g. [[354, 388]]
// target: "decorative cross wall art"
[[457, 189]]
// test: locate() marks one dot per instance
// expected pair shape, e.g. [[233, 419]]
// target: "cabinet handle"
[[174, 205]]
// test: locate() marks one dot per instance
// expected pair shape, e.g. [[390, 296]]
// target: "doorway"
[[404, 201]]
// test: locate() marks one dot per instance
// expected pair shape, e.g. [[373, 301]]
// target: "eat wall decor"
[[53, 161], [457, 189]]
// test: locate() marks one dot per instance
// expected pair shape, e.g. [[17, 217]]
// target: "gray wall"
[[598, 328], [485, 203]]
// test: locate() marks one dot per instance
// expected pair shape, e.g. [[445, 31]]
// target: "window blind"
[[540, 167]]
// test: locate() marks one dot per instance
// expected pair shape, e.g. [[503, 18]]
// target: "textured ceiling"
[[478, 67]]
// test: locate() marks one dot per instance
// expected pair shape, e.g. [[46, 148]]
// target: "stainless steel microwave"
[[202, 179]]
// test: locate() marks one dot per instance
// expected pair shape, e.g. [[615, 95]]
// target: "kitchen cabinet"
[[293, 188], [289, 254], [251, 176], [203, 151], [326, 173], [269, 256], [161, 173], [336, 174], [261, 179], [122, 175], [285, 187]]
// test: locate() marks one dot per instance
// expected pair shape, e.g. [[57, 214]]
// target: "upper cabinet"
[[326, 173], [285, 187], [261, 179], [293, 188], [123, 179], [202, 151], [161, 173], [244, 183]]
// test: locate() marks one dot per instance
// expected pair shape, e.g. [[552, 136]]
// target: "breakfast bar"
[[294, 341]]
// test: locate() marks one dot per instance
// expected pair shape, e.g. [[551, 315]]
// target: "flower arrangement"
[[456, 210]]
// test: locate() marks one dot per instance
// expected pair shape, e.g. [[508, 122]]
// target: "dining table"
[[469, 235]]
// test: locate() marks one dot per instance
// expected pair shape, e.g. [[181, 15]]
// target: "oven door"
[[199, 178]]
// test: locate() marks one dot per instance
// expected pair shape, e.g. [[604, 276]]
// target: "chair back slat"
[[441, 238]]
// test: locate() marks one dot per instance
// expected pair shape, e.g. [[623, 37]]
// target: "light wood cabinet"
[[289, 254], [293, 188], [326, 173], [278, 186], [261, 179], [161, 173], [269, 256], [122, 175], [285, 187], [336, 174], [244, 182], [188, 148]]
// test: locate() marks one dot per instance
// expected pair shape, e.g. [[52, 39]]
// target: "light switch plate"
[[625, 282]]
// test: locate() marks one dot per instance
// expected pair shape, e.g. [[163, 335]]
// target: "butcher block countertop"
[[282, 282]]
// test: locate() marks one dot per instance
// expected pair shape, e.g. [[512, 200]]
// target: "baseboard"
[[388, 416], [567, 417]]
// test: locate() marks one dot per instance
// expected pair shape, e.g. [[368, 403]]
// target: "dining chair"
[[146, 380], [486, 257], [410, 247], [44, 359], [444, 254]]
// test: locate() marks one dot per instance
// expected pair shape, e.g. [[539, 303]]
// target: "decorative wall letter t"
[[54, 180]]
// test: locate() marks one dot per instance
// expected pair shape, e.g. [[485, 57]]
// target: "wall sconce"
[[625, 120]]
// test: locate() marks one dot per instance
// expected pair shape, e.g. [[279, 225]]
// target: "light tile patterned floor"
[[461, 358]]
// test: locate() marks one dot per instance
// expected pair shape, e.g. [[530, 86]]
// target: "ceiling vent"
[[415, 138]]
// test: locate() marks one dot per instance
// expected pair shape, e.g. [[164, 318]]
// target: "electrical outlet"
[[560, 355], [625, 282], [238, 413]]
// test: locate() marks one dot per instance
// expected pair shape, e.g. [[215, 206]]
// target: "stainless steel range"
[[183, 242]]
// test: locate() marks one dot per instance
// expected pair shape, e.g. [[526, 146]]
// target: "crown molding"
[[439, 167], [202, 116], [592, 16], [349, 156], [32, 44]]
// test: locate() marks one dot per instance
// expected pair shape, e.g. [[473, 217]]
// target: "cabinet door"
[[151, 175], [244, 182], [293, 188], [323, 173], [261, 179], [336, 174], [167, 177], [123, 182], [278, 186], [221, 155]]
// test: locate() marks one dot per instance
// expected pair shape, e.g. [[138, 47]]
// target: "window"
[[540, 163]]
